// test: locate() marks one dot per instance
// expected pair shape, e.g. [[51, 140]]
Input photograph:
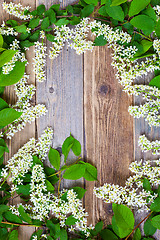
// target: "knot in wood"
[[51, 89], [104, 89]]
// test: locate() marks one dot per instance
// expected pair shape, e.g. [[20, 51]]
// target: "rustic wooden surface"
[[83, 97]]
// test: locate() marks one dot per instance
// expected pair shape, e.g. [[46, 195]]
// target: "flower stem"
[[139, 225]]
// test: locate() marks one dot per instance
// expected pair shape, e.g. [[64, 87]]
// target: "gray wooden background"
[[83, 97]]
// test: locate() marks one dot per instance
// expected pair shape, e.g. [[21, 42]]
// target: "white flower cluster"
[[43, 204], [77, 38], [100, 29], [61, 35], [146, 145], [156, 46], [17, 56], [150, 109], [147, 92], [132, 194], [24, 93], [111, 193], [5, 30], [39, 61], [16, 10], [80, 43], [157, 9], [22, 161], [144, 169]]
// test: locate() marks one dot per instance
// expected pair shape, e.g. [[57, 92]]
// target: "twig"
[[138, 225]]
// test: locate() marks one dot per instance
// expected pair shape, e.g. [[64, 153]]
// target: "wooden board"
[[84, 98], [108, 128]]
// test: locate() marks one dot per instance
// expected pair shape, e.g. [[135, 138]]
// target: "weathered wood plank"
[[152, 133], [22, 137], [108, 128], [62, 93]]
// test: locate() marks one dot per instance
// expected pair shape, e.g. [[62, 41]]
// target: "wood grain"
[[83, 97], [22, 137], [62, 93], [108, 128]]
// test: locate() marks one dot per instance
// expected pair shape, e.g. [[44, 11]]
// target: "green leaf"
[[106, 234], [12, 217], [143, 22], [146, 45], [99, 226], [4, 233], [25, 216], [156, 221], [54, 229], [63, 234], [23, 189], [124, 217], [155, 82], [12, 23], [74, 172], [50, 187], [34, 37], [157, 28], [155, 206], [3, 144], [14, 76], [3, 147], [137, 6], [137, 234], [3, 104], [50, 37], [71, 143], [55, 7], [13, 235], [2, 151], [54, 158], [93, 2], [86, 11], [24, 36], [36, 160], [100, 41], [41, 9], [76, 147], [21, 28], [117, 2], [155, 2], [1, 41], [150, 12], [70, 221], [115, 12], [119, 231], [61, 22], [34, 23], [90, 172], [45, 23], [146, 184], [51, 14], [68, 143], [8, 115], [80, 192], [2, 90], [149, 230], [26, 44], [3, 208], [50, 171], [102, 11], [6, 56]]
